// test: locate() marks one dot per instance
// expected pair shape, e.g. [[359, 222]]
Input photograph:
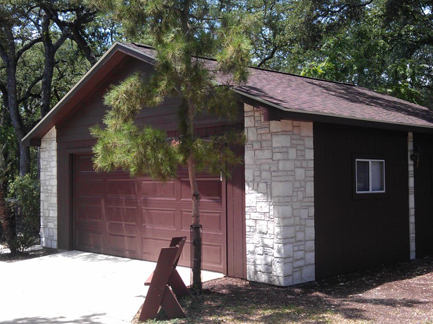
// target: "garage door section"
[[135, 217]]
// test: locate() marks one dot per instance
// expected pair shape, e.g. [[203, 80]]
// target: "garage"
[[135, 217]]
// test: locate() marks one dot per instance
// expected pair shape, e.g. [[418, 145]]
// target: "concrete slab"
[[76, 287]]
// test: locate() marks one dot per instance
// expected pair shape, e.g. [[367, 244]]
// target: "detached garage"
[[335, 178], [115, 214]]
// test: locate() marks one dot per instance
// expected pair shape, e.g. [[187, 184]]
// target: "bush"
[[26, 207]]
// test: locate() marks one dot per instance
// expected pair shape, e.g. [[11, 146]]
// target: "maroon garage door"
[[135, 217]]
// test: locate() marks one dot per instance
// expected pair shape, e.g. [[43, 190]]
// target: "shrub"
[[26, 207]]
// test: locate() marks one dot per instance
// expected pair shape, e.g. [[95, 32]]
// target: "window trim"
[[370, 190]]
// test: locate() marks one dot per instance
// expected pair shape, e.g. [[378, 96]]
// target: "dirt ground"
[[401, 293]]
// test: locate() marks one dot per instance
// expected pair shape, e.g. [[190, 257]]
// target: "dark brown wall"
[[73, 137], [355, 231], [423, 143]]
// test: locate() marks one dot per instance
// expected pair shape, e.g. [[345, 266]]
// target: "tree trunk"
[[195, 229], [196, 226], [24, 159], [7, 221]]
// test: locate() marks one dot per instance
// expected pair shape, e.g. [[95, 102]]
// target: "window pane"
[[362, 176], [377, 176]]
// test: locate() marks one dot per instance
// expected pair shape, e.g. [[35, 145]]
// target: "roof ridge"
[[303, 76], [262, 69]]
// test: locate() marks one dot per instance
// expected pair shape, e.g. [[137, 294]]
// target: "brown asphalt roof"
[[294, 93], [286, 92]]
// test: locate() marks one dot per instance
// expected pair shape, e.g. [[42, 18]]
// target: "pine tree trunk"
[[195, 229], [6, 223]]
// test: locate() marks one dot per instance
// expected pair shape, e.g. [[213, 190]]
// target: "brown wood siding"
[[74, 138], [356, 231], [423, 143]]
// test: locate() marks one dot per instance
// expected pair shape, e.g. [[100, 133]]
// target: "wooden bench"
[[165, 284]]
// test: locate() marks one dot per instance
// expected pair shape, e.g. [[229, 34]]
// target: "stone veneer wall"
[[48, 170], [279, 180], [411, 197]]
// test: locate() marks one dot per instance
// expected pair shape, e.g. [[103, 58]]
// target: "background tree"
[[33, 37], [181, 32], [384, 45], [45, 47]]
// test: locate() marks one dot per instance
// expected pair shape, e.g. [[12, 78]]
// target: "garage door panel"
[[124, 188], [122, 214], [89, 212], [212, 256], [122, 245], [122, 229], [155, 190], [89, 241], [164, 219], [90, 188]]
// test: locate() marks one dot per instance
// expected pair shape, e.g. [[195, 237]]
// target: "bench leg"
[[171, 305]]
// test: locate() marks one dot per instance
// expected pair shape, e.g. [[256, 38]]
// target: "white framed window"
[[370, 176]]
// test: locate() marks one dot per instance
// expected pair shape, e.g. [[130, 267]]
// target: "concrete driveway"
[[76, 287]]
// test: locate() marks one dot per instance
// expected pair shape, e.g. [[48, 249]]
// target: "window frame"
[[370, 184]]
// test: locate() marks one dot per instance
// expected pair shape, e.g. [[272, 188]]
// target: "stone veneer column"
[[48, 171], [411, 197], [279, 180]]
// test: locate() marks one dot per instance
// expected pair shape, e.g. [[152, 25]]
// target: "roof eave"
[[325, 117], [33, 138]]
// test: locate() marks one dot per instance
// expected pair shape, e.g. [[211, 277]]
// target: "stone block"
[[283, 250], [297, 277], [263, 154], [309, 154], [263, 188], [300, 236], [250, 200], [304, 213], [309, 189], [275, 126], [309, 258], [283, 211], [306, 128], [298, 263], [282, 232], [292, 152], [248, 108], [299, 174], [263, 207], [281, 268], [286, 165], [279, 140], [282, 189], [249, 121], [249, 158], [299, 255], [308, 273], [279, 156], [309, 233], [262, 227], [286, 125], [309, 246]]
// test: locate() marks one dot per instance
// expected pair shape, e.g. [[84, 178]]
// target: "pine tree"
[[182, 33]]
